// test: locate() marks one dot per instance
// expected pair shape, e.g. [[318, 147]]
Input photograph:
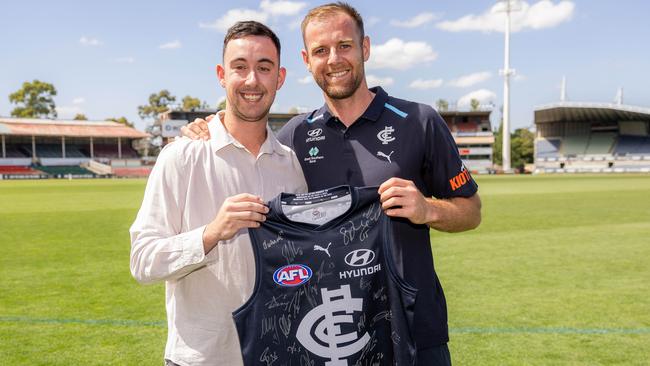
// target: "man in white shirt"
[[201, 198]]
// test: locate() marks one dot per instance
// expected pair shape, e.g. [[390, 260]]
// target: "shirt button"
[[346, 135]]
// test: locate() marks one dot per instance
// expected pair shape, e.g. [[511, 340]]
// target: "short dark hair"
[[328, 10], [249, 28]]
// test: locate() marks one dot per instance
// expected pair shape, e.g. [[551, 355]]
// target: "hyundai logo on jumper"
[[360, 257], [315, 135], [292, 275]]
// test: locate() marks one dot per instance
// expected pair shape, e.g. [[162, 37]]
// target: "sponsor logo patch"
[[360, 257], [313, 155], [460, 180], [292, 275]]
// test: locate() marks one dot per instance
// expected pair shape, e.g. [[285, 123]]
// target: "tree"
[[158, 103], [497, 151], [34, 100], [80, 117], [121, 120], [442, 105], [522, 149], [222, 105], [474, 104], [193, 103]]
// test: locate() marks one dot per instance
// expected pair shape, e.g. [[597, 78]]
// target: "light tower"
[[510, 6]]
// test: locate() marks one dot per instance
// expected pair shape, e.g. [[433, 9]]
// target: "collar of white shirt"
[[220, 138]]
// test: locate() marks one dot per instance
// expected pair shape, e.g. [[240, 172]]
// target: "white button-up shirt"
[[186, 188]]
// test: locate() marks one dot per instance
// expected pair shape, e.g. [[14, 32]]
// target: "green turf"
[[557, 274]]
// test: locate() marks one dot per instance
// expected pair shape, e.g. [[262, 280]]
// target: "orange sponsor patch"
[[460, 180]]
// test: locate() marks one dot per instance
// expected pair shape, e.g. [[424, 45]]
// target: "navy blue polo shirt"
[[393, 138]]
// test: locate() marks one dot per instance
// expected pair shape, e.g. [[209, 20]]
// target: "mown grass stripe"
[[109, 322], [550, 330], [463, 330]]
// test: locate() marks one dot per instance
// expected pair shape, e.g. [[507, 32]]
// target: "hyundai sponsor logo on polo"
[[292, 275], [315, 135], [360, 258]]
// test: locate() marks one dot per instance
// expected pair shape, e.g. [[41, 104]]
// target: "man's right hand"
[[198, 130], [237, 212]]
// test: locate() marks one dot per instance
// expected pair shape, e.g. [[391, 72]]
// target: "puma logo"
[[326, 250], [379, 153]]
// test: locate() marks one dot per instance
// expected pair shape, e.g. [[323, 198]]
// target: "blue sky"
[[105, 58]]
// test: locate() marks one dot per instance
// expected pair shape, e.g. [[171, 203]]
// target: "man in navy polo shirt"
[[365, 137]]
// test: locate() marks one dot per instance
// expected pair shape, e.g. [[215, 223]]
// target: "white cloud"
[[414, 22], [124, 60], [484, 96], [68, 112], [469, 80], [233, 16], [542, 14], [171, 45], [78, 100], [86, 41], [374, 80], [426, 84], [370, 21], [400, 55], [519, 77], [306, 80], [282, 7], [267, 9]]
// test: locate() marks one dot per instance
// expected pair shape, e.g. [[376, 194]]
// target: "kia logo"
[[315, 132], [360, 257]]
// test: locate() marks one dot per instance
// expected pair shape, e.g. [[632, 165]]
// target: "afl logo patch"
[[292, 275]]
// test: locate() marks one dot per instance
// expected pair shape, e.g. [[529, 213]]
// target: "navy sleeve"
[[285, 135], [445, 174]]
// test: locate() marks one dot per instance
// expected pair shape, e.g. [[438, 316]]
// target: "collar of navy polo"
[[372, 113]]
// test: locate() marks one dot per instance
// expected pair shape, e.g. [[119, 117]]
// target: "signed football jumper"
[[326, 291]]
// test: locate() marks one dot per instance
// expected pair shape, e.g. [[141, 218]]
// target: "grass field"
[[557, 274]]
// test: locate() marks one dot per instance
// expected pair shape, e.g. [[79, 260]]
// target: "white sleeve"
[[159, 250]]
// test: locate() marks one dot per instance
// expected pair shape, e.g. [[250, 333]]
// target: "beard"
[[342, 91]]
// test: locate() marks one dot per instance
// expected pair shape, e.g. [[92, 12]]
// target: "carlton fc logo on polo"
[[386, 135], [320, 330], [292, 275], [360, 258], [315, 135]]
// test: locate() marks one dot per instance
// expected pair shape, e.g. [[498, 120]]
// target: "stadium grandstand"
[[473, 134], [42, 148], [471, 130], [577, 137]]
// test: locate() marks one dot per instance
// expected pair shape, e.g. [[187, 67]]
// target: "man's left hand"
[[401, 198]]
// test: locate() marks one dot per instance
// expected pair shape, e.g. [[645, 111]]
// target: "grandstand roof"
[[589, 112], [48, 127]]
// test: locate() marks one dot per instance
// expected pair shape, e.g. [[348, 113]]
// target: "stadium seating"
[[600, 143], [63, 171], [632, 145], [110, 151], [18, 170], [131, 172], [548, 148], [574, 145], [14, 151]]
